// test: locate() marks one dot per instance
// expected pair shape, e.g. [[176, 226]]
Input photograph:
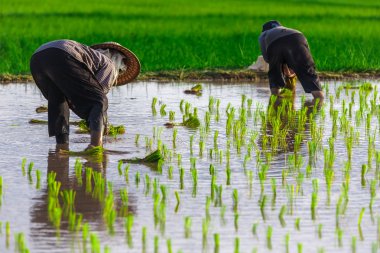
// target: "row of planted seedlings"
[[19, 237], [283, 121], [61, 206], [251, 136]]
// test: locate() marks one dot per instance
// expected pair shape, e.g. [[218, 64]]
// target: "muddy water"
[[26, 208]]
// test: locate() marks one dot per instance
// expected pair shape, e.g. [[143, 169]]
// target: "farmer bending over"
[[72, 75], [288, 54]]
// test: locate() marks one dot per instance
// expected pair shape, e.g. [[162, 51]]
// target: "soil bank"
[[215, 75]]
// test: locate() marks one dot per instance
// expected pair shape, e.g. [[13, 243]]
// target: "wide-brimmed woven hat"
[[131, 61]]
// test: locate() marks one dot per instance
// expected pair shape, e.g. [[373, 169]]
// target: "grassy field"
[[344, 35]]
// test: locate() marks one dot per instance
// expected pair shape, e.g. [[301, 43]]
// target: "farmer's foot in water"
[[64, 146]]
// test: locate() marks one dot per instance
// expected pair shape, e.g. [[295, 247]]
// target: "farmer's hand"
[[288, 72]]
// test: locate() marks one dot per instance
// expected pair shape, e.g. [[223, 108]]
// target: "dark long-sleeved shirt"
[[98, 64], [267, 37]]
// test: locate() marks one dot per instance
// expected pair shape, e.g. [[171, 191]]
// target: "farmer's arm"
[[106, 76], [96, 121]]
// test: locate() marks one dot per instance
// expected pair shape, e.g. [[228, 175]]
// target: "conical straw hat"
[[131, 61]]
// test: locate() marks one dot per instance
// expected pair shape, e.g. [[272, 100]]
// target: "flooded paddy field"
[[257, 175]]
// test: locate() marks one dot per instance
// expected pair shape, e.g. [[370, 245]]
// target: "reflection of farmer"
[[73, 75], [283, 47]]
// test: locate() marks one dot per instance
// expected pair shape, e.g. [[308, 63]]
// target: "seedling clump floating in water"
[[195, 90]]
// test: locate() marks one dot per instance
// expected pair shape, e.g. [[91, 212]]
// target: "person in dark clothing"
[[74, 76], [287, 52]]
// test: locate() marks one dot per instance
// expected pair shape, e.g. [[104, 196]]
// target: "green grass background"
[[344, 35]]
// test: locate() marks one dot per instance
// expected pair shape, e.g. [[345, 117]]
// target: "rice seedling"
[[88, 179], [191, 144], [187, 109], [187, 225], [202, 146], [290, 195], [228, 174], [269, 237], [154, 102], [124, 200], [216, 243], [372, 192], [250, 180], [95, 243], [314, 203], [320, 226], [78, 171], [297, 224], [299, 247], [194, 175], [162, 110], [30, 168], [156, 244], [363, 173], [361, 217], [207, 120], [170, 172], [281, 216], [237, 245], [287, 240], [218, 191], [99, 185], [353, 245], [68, 197], [211, 104], [178, 201], [7, 233], [263, 202], [205, 229], [85, 234], [75, 221], [137, 178], [20, 242], [235, 197], [137, 138], [144, 239], [339, 233], [119, 169], [181, 178], [128, 224], [169, 245], [23, 163]]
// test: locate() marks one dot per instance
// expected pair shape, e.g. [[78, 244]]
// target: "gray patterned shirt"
[[98, 64], [267, 37]]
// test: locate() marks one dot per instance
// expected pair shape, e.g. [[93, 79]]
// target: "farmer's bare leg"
[[318, 95]]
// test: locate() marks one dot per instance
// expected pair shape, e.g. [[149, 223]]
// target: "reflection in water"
[[87, 203]]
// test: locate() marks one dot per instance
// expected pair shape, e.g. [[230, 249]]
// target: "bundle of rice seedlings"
[[196, 90], [153, 157]]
